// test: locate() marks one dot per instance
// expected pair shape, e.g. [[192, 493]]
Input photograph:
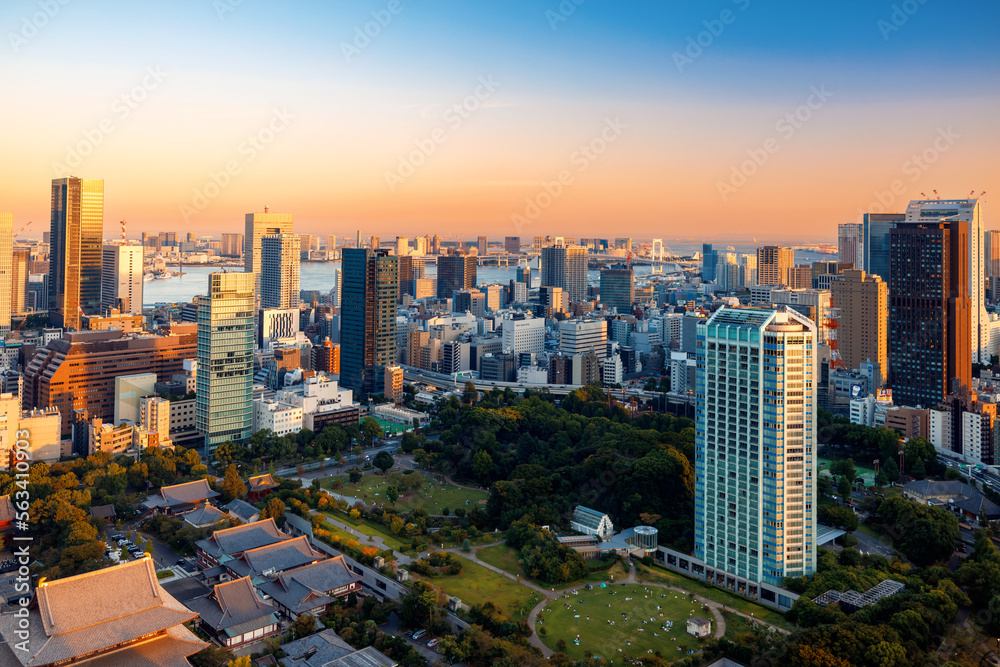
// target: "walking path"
[[365, 538]]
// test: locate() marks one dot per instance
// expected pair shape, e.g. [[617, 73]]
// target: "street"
[[163, 555]]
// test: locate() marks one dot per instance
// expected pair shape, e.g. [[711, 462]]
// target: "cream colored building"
[[863, 332]]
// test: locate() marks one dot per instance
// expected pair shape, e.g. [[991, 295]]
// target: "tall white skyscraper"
[[121, 278], [969, 212], [259, 225], [402, 246], [6, 269], [755, 447], [851, 243], [279, 271], [224, 396]]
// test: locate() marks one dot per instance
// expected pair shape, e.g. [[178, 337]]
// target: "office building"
[[75, 259], [78, 371], [523, 275], [929, 312], [800, 277], [402, 246], [580, 336], [483, 245], [755, 448], [618, 289], [469, 301], [224, 397], [512, 245], [121, 279], [877, 228], [7, 279], [232, 245], [455, 272], [368, 318], [331, 243], [526, 335], [773, 264], [326, 357], [279, 271], [566, 267], [991, 253], [20, 262], [851, 243], [862, 334], [277, 326], [709, 260], [259, 225], [129, 391]]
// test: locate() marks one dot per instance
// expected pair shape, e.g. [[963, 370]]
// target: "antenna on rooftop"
[[937, 195]]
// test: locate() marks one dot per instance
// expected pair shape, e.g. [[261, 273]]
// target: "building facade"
[[851, 243], [863, 302], [368, 318], [121, 279], [259, 225], [279, 271], [75, 256], [773, 264]]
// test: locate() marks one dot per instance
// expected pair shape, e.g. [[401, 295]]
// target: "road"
[[163, 555], [868, 544]]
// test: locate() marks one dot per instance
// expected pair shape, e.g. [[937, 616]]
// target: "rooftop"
[[278, 557], [234, 541], [233, 603], [181, 494], [588, 517]]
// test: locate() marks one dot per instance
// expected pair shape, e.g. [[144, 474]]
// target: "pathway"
[[365, 539]]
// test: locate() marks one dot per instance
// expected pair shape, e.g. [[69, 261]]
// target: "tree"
[[243, 661], [371, 430], [275, 509], [844, 487], [233, 486], [392, 494], [148, 547], [881, 479], [469, 393], [304, 625], [354, 476], [383, 461]]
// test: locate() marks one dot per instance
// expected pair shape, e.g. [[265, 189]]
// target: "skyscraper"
[[224, 403], [331, 243], [512, 245], [877, 228], [851, 243], [402, 246], [483, 244], [991, 253], [618, 289], [755, 448], [6, 270], [455, 272], [566, 267], [75, 256], [863, 332], [121, 279], [259, 225], [19, 275], [279, 270], [368, 318], [709, 260], [929, 312], [773, 264]]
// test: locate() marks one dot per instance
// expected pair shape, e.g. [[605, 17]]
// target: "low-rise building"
[[312, 588], [233, 614], [180, 498], [591, 522], [279, 418], [224, 545], [259, 486]]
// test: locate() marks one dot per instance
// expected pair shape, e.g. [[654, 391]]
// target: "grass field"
[[505, 558], [587, 616], [501, 556], [476, 585], [659, 575], [368, 529], [434, 497]]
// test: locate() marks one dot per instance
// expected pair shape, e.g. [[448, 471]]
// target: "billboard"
[[884, 396], [855, 391]]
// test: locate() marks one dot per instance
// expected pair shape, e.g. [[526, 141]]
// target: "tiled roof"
[[234, 541], [261, 483], [698, 621], [182, 494], [103, 512], [6, 509], [203, 516], [231, 604], [278, 557], [306, 587], [93, 611], [979, 504], [242, 510], [366, 657], [169, 650], [931, 487], [328, 646]]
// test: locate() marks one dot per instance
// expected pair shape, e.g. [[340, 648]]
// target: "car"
[[418, 634], [181, 561], [118, 536], [432, 643]]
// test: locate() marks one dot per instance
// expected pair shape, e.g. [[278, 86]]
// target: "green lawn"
[[434, 497], [501, 556], [505, 558], [736, 624], [587, 616], [477, 585], [368, 529], [766, 614]]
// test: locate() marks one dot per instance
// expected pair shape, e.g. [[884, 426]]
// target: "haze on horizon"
[[822, 111]]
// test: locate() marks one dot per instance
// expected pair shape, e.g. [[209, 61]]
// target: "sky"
[[719, 119]]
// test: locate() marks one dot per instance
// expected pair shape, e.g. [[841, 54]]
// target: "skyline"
[[338, 121]]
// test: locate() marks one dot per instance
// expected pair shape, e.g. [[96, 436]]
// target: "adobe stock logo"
[[364, 34], [31, 26]]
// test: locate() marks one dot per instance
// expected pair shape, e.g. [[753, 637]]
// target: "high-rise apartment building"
[[224, 394], [121, 279], [455, 272], [618, 289], [566, 267], [755, 448], [232, 245], [21, 260], [279, 270], [800, 277], [331, 243], [851, 243], [929, 312], [863, 332], [6, 270], [512, 245], [368, 318], [773, 264], [402, 246], [991, 253], [483, 244], [75, 256], [259, 225]]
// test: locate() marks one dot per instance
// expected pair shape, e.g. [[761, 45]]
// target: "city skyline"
[[674, 98]]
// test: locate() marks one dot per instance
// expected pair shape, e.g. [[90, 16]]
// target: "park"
[[415, 491]]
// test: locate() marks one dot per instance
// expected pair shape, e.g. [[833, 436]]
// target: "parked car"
[[418, 634], [432, 643], [181, 562]]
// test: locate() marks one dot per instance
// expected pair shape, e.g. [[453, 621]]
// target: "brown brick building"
[[79, 371]]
